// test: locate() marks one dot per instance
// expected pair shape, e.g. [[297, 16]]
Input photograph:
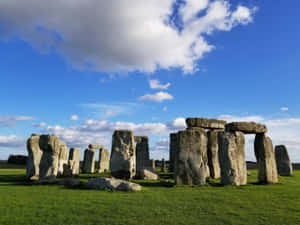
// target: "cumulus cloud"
[[74, 117], [284, 109], [155, 84], [157, 97], [120, 35], [42, 124], [12, 141], [11, 121]]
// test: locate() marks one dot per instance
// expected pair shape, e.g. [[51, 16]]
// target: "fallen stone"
[[213, 154], [147, 174], [205, 123], [123, 155], [103, 160], [232, 158], [89, 161], [191, 157], [246, 127], [284, 165], [265, 157], [112, 184]]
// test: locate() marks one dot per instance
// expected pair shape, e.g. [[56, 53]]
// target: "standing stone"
[[212, 154], [191, 157], [34, 156], [103, 160], [284, 165], [123, 156], [142, 152], [232, 158], [153, 164], [63, 157], [163, 167], [265, 156], [74, 161], [50, 146], [172, 150], [89, 161]]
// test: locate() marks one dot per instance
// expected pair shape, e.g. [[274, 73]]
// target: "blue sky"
[[73, 59]]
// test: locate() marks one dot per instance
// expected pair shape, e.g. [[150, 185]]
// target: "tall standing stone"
[[212, 154], [50, 146], [191, 157], [123, 155], [74, 161], [63, 157], [34, 156], [232, 158], [103, 160], [163, 167], [153, 164], [142, 152], [89, 161], [284, 165], [265, 156], [172, 150]]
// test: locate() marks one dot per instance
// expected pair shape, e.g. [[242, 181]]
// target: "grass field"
[[158, 203]]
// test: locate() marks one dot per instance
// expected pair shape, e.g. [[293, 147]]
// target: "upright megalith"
[[212, 153], [142, 153], [284, 165], [63, 157], [50, 146], [172, 150], [163, 166], [89, 161], [34, 157], [74, 161], [153, 166], [232, 158], [265, 156], [123, 155], [103, 165], [191, 157]]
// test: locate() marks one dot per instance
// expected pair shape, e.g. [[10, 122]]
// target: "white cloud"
[[12, 141], [74, 117], [11, 121], [155, 84], [120, 35], [42, 124], [284, 109], [157, 97], [165, 108], [231, 118]]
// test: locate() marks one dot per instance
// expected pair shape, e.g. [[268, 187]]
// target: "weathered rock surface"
[[284, 165], [142, 152], [172, 150], [205, 123], [63, 157], [213, 154], [112, 184], [163, 166], [191, 157], [103, 160], [153, 164], [123, 155], [95, 146], [147, 174], [74, 160], [34, 156], [89, 161], [232, 158], [50, 146], [246, 127], [265, 156]]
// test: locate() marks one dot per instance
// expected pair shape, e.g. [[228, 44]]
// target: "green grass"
[[158, 203]]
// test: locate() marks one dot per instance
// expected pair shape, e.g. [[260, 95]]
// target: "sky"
[[82, 69]]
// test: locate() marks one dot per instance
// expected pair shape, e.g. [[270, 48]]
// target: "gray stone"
[[63, 157], [95, 146], [34, 157], [74, 161], [213, 155], [172, 150], [112, 184], [69, 182], [89, 161], [142, 152], [163, 166], [246, 127], [50, 146], [191, 157], [123, 155], [147, 174], [232, 158], [205, 123], [265, 156], [153, 164], [284, 165], [103, 160]]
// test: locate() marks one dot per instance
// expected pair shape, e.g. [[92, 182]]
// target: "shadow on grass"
[[6, 180]]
